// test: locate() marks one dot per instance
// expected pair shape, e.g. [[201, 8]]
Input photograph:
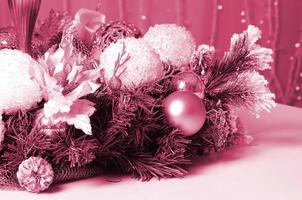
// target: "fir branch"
[[213, 136], [73, 150], [244, 56], [170, 159], [21, 146], [234, 80], [145, 167]]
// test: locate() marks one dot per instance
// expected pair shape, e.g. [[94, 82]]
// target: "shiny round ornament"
[[189, 81], [186, 111], [8, 38]]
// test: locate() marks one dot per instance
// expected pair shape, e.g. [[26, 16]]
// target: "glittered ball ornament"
[[8, 38], [189, 81], [112, 31], [173, 43], [18, 90], [185, 111], [131, 61]]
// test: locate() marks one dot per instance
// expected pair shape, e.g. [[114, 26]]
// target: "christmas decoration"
[[132, 61], [35, 174], [87, 22], [173, 43], [185, 111], [8, 38], [112, 31], [146, 106], [49, 32], [18, 90], [2, 132], [189, 81], [202, 59], [64, 83], [79, 32]]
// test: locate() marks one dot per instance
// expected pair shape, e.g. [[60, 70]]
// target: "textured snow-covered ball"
[[141, 62], [18, 90], [173, 43]]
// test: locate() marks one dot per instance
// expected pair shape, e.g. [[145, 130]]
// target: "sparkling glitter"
[[301, 74], [242, 13], [219, 7], [261, 21], [276, 3], [297, 45], [268, 41], [299, 98], [143, 66], [243, 21], [173, 43], [143, 17], [291, 58], [297, 88], [4, 42]]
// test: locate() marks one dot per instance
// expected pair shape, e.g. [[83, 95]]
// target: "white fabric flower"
[[64, 83]]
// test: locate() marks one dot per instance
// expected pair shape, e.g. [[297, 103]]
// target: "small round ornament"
[[189, 81], [35, 174], [112, 31], [186, 111], [173, 43], [132, 61], [8, 38]]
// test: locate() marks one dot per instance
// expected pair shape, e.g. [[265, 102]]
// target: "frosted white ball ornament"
[[132, 61], [173, 43], [18, 90]]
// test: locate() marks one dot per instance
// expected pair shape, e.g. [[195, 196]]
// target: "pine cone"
[[35, 174]]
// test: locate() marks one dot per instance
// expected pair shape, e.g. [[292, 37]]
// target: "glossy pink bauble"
[[185, 111], [189, 81]]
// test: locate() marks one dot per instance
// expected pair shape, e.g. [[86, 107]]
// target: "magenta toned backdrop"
[[213, 22]]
